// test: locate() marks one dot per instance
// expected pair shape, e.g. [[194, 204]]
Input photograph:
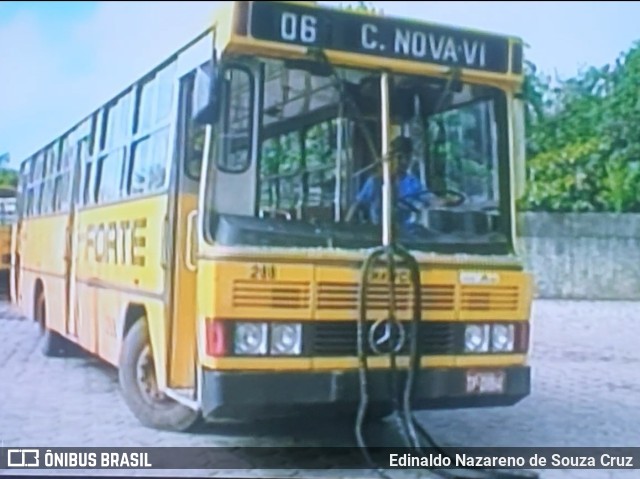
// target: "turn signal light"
[[216, 344]]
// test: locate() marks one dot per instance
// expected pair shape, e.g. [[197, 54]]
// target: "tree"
[[582, 139], [8, 176], [361, 7]]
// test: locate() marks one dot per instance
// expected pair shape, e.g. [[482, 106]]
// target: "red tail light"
[[216, 344], [522, 336]]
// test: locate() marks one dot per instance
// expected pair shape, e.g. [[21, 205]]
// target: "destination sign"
[[333, 29]]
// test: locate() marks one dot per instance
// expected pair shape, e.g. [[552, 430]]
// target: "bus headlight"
[[250, 339], [502, 337], [286, 339], [476, 338]]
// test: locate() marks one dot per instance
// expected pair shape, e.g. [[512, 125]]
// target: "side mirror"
[[206, 94]]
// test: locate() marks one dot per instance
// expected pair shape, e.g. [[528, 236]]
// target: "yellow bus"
[[7, 218], [194, 232]]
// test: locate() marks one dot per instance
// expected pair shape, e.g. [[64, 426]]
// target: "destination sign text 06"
[[333, 29]]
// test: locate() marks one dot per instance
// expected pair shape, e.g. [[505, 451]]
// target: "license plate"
[[485, 382]]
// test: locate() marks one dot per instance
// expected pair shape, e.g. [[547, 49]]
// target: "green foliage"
[[566, 179], [583, 139], [366, 7], [8, 176]]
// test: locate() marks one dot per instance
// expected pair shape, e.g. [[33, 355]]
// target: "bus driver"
[[408, 187]]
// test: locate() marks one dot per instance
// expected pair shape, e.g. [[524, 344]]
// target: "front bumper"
[[235, 395]]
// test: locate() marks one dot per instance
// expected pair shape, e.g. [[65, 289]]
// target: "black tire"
[[53, 344], [149, 406]]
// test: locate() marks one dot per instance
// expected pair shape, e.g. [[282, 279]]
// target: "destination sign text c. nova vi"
[[333, 29]]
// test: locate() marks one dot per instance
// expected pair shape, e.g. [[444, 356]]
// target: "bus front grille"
[[489, 298], [344, 296], [339, 338], [278, 295]]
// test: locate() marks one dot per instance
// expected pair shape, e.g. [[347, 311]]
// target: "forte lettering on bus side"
[[117, 242]]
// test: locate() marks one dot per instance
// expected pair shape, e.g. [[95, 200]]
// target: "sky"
[[61, 60]]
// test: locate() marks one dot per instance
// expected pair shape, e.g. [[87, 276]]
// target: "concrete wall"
[[583, 255]]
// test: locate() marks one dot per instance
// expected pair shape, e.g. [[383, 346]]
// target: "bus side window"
[[27, 189], [46, 181], [87, 161], [88, 168], [61, 182], [149, 169], [38, 179], [23, 189], [109, 176], [54, 170], [150, 149], [111, 162]]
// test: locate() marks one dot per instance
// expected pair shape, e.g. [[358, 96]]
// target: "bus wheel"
[[140, 388], [53, 344]]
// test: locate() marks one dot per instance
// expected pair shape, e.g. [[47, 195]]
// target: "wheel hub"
[[146, 377]]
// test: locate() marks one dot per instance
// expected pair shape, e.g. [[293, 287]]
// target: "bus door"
[[71, 255], [183, 221], [71, 312]]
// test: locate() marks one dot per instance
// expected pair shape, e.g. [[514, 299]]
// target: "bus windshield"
[[318, 156]]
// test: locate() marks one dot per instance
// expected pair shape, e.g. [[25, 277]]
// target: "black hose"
[[362, 362], [406, 426], [395, 394]]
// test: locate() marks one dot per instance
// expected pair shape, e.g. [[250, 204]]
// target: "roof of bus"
[[368, 40], [223, 12]]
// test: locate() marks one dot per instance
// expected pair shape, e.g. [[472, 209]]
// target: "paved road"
[[586, 393]]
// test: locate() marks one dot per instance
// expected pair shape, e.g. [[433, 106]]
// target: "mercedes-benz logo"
[[386, 336]]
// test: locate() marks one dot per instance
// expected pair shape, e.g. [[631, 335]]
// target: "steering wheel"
[[459, 196], [406, 201]]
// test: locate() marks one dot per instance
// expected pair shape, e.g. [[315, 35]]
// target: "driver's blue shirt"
[[370, 196]]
